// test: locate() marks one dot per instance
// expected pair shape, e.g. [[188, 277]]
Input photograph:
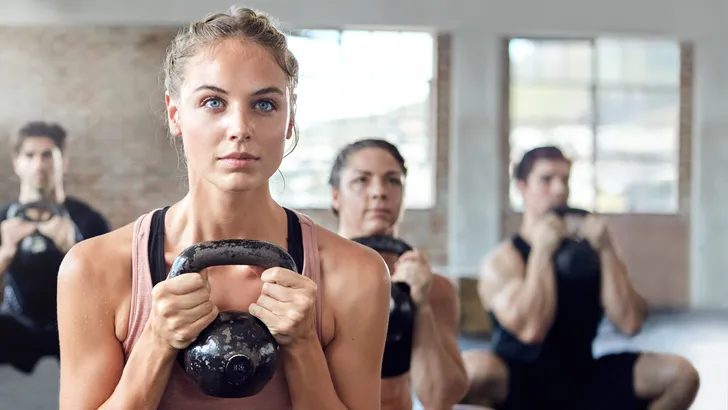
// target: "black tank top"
[[156, 243], [578, 314]]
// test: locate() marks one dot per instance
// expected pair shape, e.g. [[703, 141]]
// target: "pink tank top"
[[181, 393]]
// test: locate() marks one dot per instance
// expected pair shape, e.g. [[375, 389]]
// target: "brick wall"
[[102, 85]]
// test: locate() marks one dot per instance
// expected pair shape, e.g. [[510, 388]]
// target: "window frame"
[[682, 124]]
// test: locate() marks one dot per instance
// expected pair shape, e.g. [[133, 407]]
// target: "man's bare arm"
[[522, 297]]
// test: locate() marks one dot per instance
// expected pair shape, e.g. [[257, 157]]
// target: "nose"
[[377, 189], [238, 125], [560, 188]]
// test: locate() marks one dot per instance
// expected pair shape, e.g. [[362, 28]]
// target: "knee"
[[487, 376], [481, 365], [685, 375]]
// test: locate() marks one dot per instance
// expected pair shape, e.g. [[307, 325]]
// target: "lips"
[[240, 156]]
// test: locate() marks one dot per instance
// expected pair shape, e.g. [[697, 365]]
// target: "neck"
[[529, 219], [32, 194], [209, 214]]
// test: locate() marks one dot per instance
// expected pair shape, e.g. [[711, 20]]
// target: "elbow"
[[631, 326], [532, 334]]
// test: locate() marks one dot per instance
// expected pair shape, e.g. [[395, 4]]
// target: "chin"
[[377, 227]]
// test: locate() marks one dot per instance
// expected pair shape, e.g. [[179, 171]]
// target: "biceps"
[[355, 359], [91, 357]]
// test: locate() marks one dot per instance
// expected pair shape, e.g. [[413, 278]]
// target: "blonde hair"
[[241, 23]]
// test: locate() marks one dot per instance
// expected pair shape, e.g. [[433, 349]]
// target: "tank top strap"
[[141, 283], [312, 266]]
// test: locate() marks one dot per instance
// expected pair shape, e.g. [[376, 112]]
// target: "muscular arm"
[[624, 307], [93, 373], [525, 305], [437, 371], [346, 374]]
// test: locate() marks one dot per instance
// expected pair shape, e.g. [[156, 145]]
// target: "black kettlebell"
[[575, 254], [35, 244], [235, 356], [401, 307]]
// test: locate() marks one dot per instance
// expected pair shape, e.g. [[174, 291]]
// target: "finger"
[[185, 283], [272, 305], [283, 277], [278, 292], [190, 300], [265, 315], [200, 324], [182, 318]]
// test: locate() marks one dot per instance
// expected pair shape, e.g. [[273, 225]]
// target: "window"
[[613, 106], [354, 85]]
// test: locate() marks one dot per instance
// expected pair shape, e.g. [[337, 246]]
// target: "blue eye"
[[213, 103], [265, 106]]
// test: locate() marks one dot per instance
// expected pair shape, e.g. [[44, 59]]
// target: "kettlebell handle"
[[250, 252], [563, 211], [385, 244], [21, 210]]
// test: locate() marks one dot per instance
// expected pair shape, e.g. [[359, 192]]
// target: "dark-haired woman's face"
[[369, 197]]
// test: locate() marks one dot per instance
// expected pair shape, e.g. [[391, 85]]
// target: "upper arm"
[[361, 314], [92, 359], [501, 275]]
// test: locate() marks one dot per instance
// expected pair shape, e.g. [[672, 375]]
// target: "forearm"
[[5, 260], [144, 378], [309, 380], [437, 370], [536, 301], [625, 305]]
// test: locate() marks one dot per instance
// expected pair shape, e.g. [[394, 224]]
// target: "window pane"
[[581, 184], [638, 107], [532, 102], [637, 187], [550, 60], [581, 188], [638, 62], [397, 55], [336, 107], [630, 142], [575, 140]]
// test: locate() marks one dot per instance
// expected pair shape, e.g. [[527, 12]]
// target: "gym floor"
[[702, 337]]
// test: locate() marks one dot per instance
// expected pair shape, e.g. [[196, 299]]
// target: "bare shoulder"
[[350, 270], [94, 258], [503, 260]]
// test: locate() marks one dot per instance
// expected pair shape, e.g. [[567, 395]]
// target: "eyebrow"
[[262, 91], [370, 173]]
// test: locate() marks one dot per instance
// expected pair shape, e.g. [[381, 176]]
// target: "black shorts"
[[23, 342], [606, 383]]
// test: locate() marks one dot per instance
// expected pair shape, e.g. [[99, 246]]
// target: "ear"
[[291, 128], [335, 199], [15, 164], [172, 116], [521, 186]]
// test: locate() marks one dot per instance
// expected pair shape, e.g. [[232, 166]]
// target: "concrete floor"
[[701, 337]]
